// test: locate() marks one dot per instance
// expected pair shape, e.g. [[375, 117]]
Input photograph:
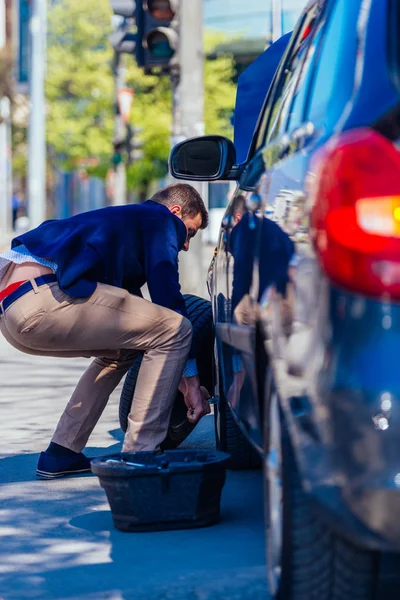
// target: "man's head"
[[186, 203], [238, 208]]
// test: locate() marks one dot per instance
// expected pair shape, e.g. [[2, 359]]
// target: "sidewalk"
[[4, 244], [58, 540]]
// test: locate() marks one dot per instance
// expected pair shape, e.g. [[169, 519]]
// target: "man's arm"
[[161, 264], [195, 397], [161, 267]]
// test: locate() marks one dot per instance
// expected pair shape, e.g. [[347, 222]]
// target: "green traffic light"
[[161, 50], [159, 45], [117, 158]]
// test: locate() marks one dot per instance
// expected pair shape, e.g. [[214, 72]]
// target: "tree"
[[79, 83], [219, 90], [80, 94]]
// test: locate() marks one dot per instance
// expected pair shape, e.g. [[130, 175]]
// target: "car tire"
[[231, 440], [200, 315], [313, 562]]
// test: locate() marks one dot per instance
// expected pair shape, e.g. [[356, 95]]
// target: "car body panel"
[[315, 335], [331, 402], [331, 353]]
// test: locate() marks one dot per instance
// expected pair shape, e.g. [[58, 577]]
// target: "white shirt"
[[20, 255]]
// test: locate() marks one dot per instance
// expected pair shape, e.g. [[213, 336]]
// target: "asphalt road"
[[57, 537]]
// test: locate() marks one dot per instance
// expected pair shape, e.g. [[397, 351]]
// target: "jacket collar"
[[179, 224]]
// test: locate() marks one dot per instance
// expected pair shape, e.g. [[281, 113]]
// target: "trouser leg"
[[90, 399], [51, 323], [155, 392]]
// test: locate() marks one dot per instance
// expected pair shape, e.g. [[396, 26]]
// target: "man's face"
[[192, 224]]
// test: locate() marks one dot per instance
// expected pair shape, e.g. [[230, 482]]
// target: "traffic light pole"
[[177, 134], [276, 20], [188, 121], [119, 196], [37, 117]]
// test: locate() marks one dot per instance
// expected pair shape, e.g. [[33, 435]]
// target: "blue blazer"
[[275, 250], [124, 246]]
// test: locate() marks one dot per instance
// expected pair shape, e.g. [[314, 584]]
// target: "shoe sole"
[[49, 475]]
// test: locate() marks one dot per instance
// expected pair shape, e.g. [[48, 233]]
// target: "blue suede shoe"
[[51, 466]]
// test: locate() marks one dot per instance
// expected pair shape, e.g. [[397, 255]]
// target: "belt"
[[24, 289]]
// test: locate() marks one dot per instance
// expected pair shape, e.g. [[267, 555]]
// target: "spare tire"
[[200, 315]]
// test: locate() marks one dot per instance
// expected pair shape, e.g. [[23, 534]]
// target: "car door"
[[321, 95], [253, 251]]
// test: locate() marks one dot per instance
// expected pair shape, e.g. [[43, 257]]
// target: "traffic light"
[[122, 40], [119, 142], [158, 34], [133, 145], [127, 146], [124, 8]]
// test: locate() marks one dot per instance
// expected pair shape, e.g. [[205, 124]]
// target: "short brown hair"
[[185, 196], [238, 205]]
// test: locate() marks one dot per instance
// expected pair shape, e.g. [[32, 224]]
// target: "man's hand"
[[196, 398]]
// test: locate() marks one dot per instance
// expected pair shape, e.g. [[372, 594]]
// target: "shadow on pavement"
[[85, 554], [59, 542], [22, 467]]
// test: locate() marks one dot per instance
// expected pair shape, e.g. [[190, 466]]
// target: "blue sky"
[[252, 18]]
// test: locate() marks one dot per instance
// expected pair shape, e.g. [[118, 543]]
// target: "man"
[[72, 288]]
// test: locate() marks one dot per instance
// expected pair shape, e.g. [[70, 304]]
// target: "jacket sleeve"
[[161, 264]]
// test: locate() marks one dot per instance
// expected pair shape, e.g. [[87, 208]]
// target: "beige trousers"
[[113, 326]]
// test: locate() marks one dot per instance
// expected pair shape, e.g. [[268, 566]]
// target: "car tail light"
[[355, 214]]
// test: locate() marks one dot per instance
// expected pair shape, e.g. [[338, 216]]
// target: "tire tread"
[[318, 564], [232, 440]]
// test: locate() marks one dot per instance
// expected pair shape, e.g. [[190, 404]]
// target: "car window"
[[292, 78], [326, 76], [301, 93], [259, 135]]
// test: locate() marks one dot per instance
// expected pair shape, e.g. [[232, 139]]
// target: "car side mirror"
[[206, 158]]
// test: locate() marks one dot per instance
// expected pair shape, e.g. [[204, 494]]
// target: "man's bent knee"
[[173, 332], [179, 325]]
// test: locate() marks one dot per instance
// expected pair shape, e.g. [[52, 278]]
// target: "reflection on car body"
[[305, 289]]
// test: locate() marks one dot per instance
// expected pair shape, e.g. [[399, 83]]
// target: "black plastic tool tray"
[[148, 491]]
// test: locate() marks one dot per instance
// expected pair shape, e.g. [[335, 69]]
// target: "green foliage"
[[79, 83], [19, 131], [151, 112], [6, 87], [80, 94], [219, 91]]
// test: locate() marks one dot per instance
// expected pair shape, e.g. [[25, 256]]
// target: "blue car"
[[305, 289]]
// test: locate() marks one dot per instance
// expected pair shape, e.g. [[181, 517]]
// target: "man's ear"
[[176, 210]]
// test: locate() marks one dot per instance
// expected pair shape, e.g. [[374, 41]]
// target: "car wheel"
[[200, 315], [306, 560], [231, 440]]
